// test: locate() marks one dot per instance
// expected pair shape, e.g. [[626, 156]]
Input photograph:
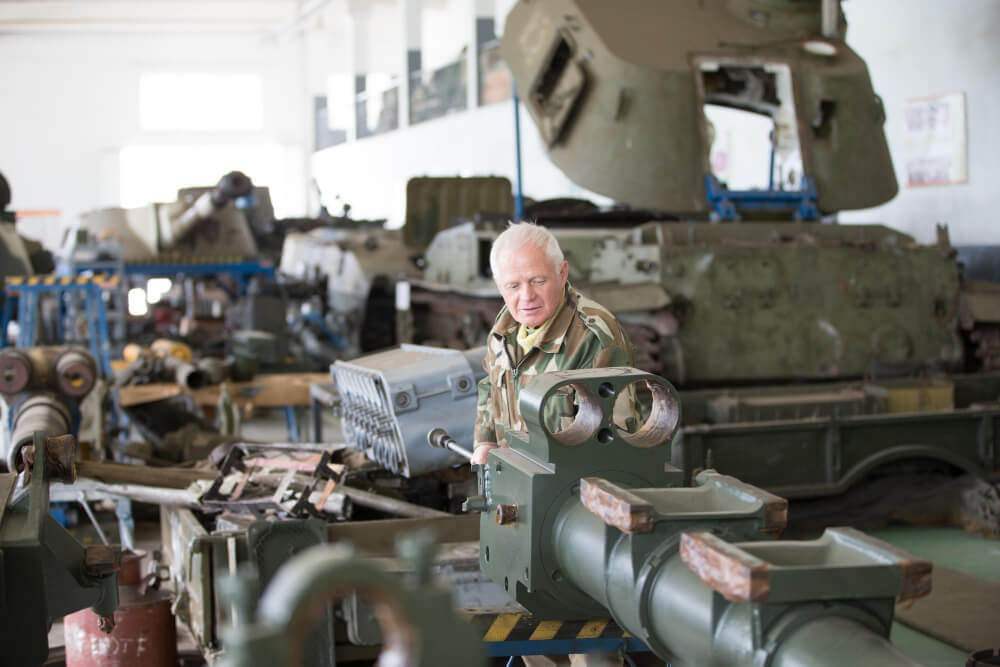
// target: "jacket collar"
[[553, 337]]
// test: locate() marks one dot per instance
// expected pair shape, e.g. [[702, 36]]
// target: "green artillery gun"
[[593, 518]]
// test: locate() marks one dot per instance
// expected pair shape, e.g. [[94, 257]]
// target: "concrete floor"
[[946, 547]]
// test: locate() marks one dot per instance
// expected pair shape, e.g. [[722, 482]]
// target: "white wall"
[[371, 174], [918, 48], [69, 104]]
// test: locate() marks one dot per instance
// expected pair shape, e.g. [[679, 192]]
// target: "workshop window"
[[201, 101]]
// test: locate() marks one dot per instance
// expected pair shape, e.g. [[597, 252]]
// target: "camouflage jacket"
[[582, 334]]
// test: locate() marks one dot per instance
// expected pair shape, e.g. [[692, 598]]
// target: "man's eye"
[[511, 286], [538, 281]]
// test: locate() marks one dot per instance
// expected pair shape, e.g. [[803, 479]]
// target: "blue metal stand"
[[291, 423], [519, 192], [26, 293], [239, 268], [728, 204]]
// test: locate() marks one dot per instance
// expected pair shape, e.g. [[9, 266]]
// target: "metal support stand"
[[26, 293]]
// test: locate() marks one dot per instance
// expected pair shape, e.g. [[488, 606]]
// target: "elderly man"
[[545, 325]]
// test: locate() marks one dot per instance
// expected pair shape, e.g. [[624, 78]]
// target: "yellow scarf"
[[526, 338]]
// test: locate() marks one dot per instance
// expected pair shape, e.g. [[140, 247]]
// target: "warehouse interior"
[[250, 318]]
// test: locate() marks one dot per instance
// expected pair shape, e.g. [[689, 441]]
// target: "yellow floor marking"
[[545, 630], [501, 627], [592, 629]]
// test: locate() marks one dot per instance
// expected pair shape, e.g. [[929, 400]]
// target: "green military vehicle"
[[813, 356]]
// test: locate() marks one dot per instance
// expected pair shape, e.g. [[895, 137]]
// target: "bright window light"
[[137, 302], [156, 288], [201, 101]]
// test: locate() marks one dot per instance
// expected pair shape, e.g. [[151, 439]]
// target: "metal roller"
[[15, 371], [76, 373], [43, 413]]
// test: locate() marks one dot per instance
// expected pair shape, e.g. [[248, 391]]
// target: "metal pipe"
[[390, 505], [144, 494], [831, 18], [81, 497], [440, 439], [519, 192], [185, 374]]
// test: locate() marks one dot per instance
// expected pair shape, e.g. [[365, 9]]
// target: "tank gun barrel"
[[230, 187]]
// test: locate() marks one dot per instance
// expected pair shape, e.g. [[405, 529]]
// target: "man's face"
[[530, 285]]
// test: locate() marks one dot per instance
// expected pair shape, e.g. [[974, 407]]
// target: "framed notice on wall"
[[936, 146]]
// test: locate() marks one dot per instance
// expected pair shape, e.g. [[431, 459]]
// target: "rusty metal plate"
[[726, 569], [616, 506]]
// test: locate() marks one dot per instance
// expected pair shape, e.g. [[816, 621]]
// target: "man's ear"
[[564, 271]]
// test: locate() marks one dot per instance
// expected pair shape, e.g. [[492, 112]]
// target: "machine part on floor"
[[283, 484], [390, 400], [144, 630], [46, 573], [162, 363], [578, 522], [418, 622], [43, 387]]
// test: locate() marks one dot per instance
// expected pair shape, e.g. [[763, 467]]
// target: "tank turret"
[[620, 91]]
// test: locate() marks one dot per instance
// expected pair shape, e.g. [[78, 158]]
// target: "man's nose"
[[527, 292]]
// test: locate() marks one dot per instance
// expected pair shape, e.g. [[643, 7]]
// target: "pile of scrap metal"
[[172, 361]]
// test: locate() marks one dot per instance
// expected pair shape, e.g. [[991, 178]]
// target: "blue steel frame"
[[241, 270], [729, 204], [564, 646], [26, 293]]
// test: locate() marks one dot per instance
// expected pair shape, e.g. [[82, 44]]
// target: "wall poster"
[[935, 140]]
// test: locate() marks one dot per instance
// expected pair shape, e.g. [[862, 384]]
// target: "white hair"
[[520, 234]]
